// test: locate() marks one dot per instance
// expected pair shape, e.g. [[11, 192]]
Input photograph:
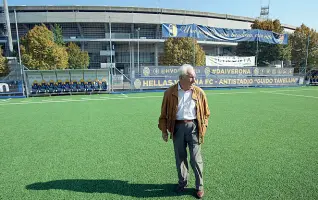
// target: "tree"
[[77, 59], [266, 52], [4, 68], [58, 36], [268, 25], [300, 39], [179, 51], [40, 52]]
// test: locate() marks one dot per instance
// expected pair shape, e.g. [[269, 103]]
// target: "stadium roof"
[[77, 8]]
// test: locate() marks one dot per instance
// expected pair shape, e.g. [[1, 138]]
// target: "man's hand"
[[165, 136]]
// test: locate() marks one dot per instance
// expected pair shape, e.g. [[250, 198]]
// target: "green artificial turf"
[[260, 144]]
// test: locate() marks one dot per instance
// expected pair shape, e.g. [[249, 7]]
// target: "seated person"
[[43, 87], [51, 87], [67, 86], [96, 85], [104, 85], [59, 86], [89, 86], [81, 86], [35, 87], [74, 86]]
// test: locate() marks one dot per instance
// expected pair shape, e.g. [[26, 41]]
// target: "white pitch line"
[[78, 100], [131, 97], [280, 90], [121, 98], [101, 99], [41, 102], [230, 93], [311, 89], [295, 95], [300, 89], [268, 91], [5, 100], [48, 100], [71, 100]]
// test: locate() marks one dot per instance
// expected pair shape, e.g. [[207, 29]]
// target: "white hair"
[[184, 70]]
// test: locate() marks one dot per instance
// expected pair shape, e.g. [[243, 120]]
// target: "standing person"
[[185, 113]]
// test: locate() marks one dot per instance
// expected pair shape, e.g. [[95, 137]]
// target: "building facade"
[[126, 33]]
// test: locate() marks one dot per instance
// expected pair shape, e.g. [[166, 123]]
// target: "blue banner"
[[156, 82], [222, 34], [164, 71]]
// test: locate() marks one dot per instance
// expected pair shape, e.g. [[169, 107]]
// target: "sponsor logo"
[[173, 30], [137, 84], [146, 71]]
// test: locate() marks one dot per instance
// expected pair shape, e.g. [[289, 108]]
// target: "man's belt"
[[185, 121]]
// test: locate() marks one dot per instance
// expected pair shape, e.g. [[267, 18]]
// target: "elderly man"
[[185, 113]]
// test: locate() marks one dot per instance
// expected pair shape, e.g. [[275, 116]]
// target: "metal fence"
[[12, 85], [90, 81]]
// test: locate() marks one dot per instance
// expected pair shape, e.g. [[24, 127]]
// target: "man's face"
[[188, 80]]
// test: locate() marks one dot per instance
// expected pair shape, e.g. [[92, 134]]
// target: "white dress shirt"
[[186, 105]]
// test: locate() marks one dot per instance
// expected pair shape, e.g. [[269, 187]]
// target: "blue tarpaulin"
[[223, 34]]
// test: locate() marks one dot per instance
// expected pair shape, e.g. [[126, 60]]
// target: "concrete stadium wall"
[[104, 17]]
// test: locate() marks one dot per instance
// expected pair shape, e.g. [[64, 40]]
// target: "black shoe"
[[180, 188]]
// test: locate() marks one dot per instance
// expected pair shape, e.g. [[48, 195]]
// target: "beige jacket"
[[169, 110]]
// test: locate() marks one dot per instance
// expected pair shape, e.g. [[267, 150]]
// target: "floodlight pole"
[[193, 52], [18, 39], [111, 55], [7, 23], [138, 29], [256, 57]]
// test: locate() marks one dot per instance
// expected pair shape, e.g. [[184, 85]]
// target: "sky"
[[291, 12]]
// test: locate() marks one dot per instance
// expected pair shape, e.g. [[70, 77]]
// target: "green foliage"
[[4, 68], [268, 25], [58, 36], [40, 52], [285, 51], [179, 51], [77, 59], [299, 42], [267, 52]]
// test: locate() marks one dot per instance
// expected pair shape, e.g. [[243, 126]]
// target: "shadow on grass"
[[111, 186]]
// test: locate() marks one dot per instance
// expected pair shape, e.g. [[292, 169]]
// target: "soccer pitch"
[[261, 143]]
